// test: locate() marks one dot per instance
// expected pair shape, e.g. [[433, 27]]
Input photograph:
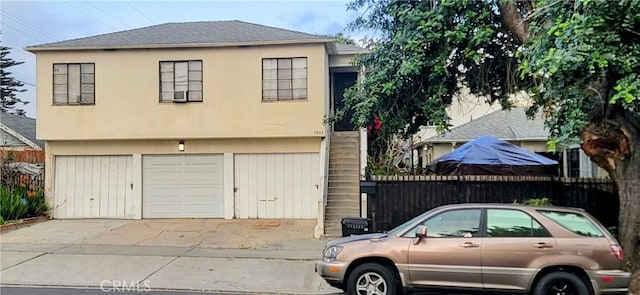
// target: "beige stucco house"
[[222, 119]]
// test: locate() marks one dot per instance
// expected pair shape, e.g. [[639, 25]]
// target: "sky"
[[28, 23]]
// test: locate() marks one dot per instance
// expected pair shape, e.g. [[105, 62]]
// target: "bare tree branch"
[[514, 21], [632, 32]]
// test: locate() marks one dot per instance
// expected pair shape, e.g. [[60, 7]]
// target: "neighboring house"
[[220, 119], [465, 107], [18, 133], [512, 126]]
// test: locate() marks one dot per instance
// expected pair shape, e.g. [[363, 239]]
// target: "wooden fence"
[[10, 175], [27, 156], [400, 198]]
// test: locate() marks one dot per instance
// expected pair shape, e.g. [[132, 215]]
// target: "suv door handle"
[[469, 245], [542, 246]]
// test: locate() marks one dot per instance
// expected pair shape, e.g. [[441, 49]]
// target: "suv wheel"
[[372, 279], [560, 283]]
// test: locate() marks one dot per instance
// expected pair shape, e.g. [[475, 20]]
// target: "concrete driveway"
[[263, 256]]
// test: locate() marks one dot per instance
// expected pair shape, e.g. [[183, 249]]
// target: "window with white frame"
[[181, 81], [284, 79], [73, 83]]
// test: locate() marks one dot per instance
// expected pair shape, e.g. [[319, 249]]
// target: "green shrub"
[[12, 205], [538, 202], [36, 204], [535, 202]]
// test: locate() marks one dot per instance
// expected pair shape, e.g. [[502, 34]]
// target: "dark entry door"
[[342, 81]]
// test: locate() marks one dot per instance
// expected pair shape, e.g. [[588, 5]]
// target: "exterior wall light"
[[181, 146]]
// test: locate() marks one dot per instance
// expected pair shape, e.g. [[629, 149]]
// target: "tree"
[[341, 38], [578, 59], [586, 64], [10, 86]]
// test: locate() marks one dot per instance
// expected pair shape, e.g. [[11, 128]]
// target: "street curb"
[[22, 223], [174, 290]]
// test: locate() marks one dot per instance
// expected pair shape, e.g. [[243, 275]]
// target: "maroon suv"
[[496, 248]]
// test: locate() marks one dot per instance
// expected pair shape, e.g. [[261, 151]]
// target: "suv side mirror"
[[421, 233]]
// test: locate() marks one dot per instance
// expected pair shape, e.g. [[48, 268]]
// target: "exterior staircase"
[[343, 194]]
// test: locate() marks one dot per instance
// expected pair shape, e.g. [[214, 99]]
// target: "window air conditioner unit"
[[180, 96]]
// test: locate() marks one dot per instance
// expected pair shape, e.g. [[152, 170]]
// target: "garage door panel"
[[276, 185], [93, 187], [179, 186]]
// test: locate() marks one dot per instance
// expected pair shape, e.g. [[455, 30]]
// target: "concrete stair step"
[[343, 190], [342, 202], [345, 146], [346, 176], [342, 178], [350, 161], [348, 168], [336, 219], [343, 199], [341, 213], [345, 133], [342, 207], [344, 155], [345, 182], [345, 138], [337, 170], [344, 165], [351, 181]]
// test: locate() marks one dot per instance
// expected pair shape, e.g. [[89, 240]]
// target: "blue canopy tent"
[[487, 155]]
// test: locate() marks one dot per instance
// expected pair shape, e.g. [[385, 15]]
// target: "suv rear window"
[[575, 223]]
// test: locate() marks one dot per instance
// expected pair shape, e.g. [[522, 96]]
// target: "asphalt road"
[[79, 291]]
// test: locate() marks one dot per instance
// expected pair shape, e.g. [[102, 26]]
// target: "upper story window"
[[180, 81], [73, 83], [284, 79]]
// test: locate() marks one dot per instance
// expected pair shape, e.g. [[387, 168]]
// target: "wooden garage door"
[[182, 186], [277, 185], [93, 187]]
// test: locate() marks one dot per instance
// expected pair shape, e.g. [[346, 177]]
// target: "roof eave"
[[34, 49], [353, 52], [20, 137], [456, 140]]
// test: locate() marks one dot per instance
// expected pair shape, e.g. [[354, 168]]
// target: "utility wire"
[[89, 15], [107, 14], [19, 21], [27, 83], [39, 40], [140, 12], [25, 76]]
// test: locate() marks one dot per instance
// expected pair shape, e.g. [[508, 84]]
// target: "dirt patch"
[[266, 224]]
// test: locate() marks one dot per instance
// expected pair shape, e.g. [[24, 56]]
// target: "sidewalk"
[[246, 256]]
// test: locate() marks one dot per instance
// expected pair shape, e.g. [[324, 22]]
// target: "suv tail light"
[[617, 252]]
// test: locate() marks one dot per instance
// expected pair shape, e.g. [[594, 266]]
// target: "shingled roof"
[[21, 125], [504, 124], [186, 34]]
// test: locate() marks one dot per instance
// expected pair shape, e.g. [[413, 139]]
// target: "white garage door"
[[93, 187], [277, 185], [182, 186]]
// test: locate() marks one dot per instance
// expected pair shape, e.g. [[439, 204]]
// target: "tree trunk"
[[629, 219], [616, 148]]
